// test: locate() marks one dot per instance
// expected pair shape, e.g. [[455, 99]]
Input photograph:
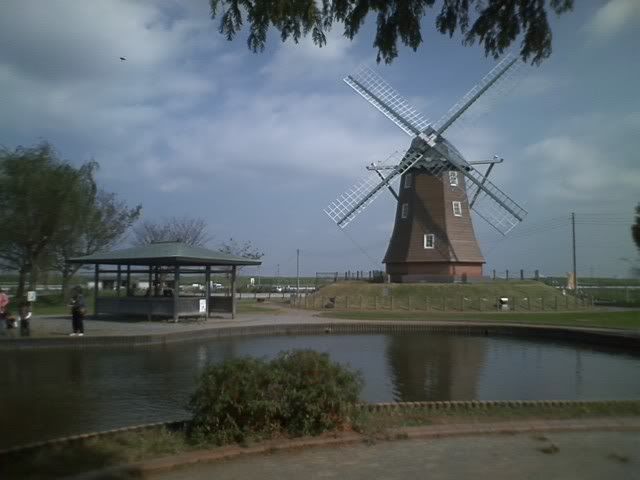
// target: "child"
[[10, 320]]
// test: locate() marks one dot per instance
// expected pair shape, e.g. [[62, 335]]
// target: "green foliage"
[[299, 392], [495, 24], [51, 210]]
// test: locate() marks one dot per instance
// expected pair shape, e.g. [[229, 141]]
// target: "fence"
[[324, 278], [443, 304], [619, 296], [515, 274], [377, 276]]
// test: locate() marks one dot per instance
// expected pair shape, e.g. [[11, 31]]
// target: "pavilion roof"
[[165, 253]]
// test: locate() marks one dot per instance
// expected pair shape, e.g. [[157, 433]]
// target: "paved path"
[[60, 325], [557, 455]]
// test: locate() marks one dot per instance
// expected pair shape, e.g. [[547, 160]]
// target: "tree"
[[192, 231], [240, 249], [635, 228], [495, 24], [39, 195], [98, 226]]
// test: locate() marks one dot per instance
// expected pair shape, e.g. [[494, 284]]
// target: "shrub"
[[299, 392]]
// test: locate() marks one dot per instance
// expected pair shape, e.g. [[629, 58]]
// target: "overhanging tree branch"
[[495, 24]]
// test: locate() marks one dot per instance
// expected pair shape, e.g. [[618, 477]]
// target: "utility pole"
[[298, 271], [573, 241]]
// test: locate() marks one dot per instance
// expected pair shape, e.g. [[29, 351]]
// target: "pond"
[[50, 393]]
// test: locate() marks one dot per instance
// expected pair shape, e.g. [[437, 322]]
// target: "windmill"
[[433, 236]]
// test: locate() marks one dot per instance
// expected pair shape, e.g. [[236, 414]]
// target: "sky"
[[259, 144]]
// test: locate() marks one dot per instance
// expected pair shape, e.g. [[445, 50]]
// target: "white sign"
[[203, 305], [31, 296]]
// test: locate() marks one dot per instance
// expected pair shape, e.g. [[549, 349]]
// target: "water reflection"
[[50, 393], [435, 367]]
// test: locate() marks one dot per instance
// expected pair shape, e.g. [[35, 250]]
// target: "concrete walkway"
[[589, 455], [60, 325]]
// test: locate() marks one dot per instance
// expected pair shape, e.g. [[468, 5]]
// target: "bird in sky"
[[122, 59]]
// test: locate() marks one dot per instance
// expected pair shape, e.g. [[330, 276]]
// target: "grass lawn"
[[118, 449], [402, 291], [251, 306], [619, 320]]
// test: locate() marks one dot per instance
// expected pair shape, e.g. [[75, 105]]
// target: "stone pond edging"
[[454, 405], [600, 336], [165, 464]]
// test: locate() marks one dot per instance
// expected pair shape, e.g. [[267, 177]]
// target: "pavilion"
[[156, 261]]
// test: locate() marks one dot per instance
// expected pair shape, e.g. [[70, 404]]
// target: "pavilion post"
[[118, 281], [96, 279], [207, 279], [149, 294], [176, 293], [128, 280], [233, 292], [156, 281]]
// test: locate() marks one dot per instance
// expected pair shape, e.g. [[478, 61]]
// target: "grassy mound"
[[523, 295], [405, 290]]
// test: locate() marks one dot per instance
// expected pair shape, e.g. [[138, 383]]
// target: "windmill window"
[[408, 178], [457, 209], [429, 240], [405, 210], [453, 178]]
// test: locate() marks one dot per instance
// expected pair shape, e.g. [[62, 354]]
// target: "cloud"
[[613, 17], [573, 170], [178, 109], [291, 62]]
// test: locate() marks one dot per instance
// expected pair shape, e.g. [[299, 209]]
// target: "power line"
[[374, 264]]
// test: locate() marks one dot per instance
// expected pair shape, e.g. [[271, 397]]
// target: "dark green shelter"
[[157, 260]]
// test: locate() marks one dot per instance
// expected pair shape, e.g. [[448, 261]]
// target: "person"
[[11, 322], [24, 312], [4, 306], [78, 311]]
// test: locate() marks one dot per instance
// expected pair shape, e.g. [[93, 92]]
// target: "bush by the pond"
[[298, 393]]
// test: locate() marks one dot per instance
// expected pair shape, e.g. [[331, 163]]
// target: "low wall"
[[160, 306], [613, 338], [460, 406]]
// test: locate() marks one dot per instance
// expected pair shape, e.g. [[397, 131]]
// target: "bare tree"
[[192, 231], [100, 225], [240, 249]]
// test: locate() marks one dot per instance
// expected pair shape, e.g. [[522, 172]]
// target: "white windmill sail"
[[488, 81], [490, 202], [356, 199], [373, 88]]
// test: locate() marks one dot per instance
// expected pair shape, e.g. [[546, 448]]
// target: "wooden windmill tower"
[[433, 237]]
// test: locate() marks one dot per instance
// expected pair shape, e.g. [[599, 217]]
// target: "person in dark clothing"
[[24, 312], [4, 308], [78, 311]]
